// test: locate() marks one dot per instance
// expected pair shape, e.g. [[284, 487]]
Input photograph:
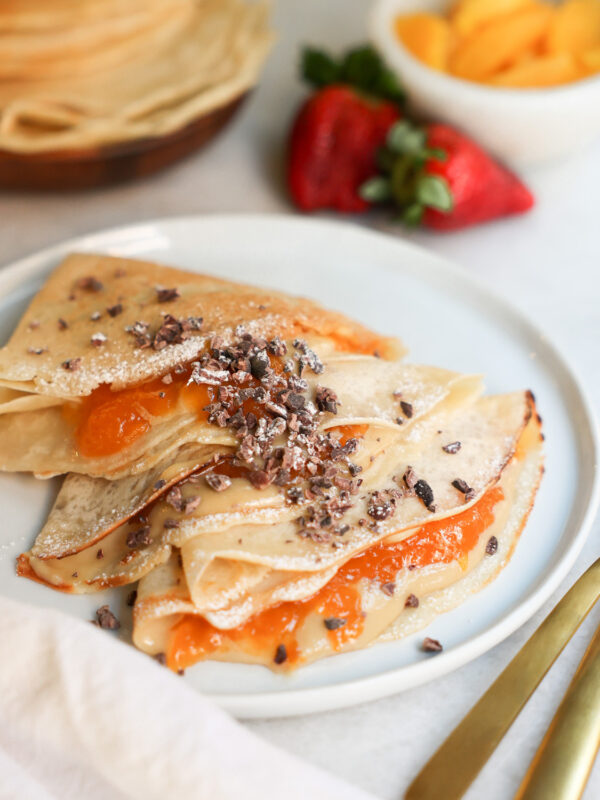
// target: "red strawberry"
[[481, 188], [333, 145], [444, 180]]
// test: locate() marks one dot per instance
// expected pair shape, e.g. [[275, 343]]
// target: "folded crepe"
[[105, 354], [279, 481]]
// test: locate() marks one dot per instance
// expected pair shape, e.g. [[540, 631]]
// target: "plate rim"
[[350, 692]]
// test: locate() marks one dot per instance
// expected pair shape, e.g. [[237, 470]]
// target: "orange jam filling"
[[439, 542], [348, 432], [108, 422]]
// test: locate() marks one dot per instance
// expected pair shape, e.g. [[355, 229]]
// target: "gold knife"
[[563, 762], [459, 759]]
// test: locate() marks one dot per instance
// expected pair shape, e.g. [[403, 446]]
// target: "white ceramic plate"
[[446, 319]]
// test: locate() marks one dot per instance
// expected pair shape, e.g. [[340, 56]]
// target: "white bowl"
[[520, 126]]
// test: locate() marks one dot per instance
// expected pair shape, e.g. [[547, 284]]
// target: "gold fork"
[[564, 760], [451, 770]]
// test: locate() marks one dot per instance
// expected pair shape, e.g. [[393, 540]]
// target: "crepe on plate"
[[279, 481]]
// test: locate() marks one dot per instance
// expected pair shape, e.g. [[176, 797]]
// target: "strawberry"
[[333, 147], [441, 178], [337, 133]]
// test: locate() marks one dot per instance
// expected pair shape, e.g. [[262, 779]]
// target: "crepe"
[[95, 73], [91, 294], [45, 441], [385, 612], [217, 551], [103, 322], [282, 484]]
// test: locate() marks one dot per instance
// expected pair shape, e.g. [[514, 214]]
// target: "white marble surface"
[[547, 263]]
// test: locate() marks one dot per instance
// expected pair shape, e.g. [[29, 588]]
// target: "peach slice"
[[575, 27], [550, 70], [501, 44], [426, 36], [468, 15]]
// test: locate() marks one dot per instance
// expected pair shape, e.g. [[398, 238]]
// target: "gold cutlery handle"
[[459, 759], [563, 762]]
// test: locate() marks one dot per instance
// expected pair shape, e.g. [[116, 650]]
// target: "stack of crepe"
[[81, 73], [282, 484]]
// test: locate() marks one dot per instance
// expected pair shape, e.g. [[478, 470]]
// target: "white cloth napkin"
[[84, 716]]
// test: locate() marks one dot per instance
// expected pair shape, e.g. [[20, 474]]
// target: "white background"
[[548, 263]]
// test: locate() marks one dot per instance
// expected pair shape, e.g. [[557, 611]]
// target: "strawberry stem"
[[404, 179]]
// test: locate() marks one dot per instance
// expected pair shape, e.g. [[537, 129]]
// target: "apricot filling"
[[193, 639]]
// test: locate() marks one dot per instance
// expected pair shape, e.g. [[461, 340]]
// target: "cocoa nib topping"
[[114, 311], [308, 358], [62, 324], [451, 448], [295, 495], [333, 623], [218, 483], [275, 422], [326, 400], [139, 538], [172, 331], [71, 364], [259, 364], [191, 504], [98, 339], [260, 478], [425, 493], [492, 546], [89, 284], [174, 498], [382, 504], [178, 502], [276, 347], [141, 333], [412, 601], [159, 484], [166, 295], [280, 654], [410, 479], [106, 619], [100, 553], [170, 524], [388, 588], [431, 645], [464, 487], [407, 408]]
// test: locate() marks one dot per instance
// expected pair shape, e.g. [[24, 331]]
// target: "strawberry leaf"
[[361, 68], [413, 214], [405, 139], [318, 68], [433, 191], [376, 190]]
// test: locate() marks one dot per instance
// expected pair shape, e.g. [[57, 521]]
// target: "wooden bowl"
[[67, 170]]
